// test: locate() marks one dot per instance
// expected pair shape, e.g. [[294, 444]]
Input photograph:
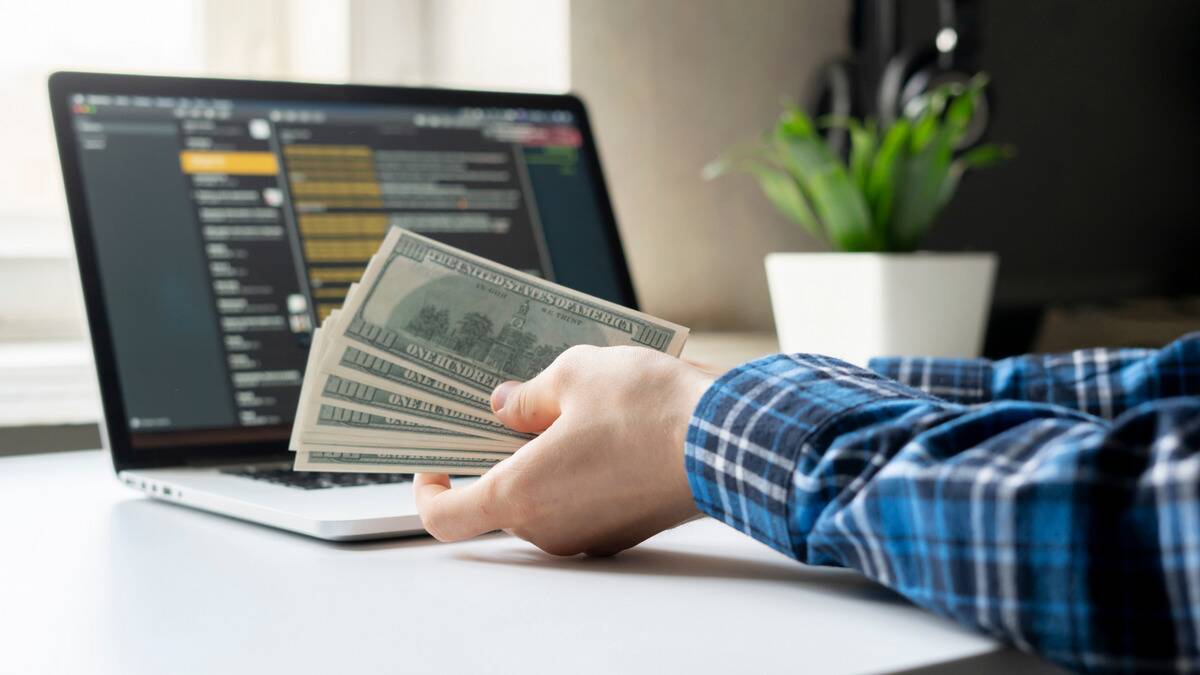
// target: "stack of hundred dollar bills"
[[400, 378]]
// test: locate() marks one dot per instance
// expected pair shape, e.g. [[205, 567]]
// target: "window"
[[39, 298], [517, 44]]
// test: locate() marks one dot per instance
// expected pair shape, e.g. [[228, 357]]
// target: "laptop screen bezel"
[[115, 431]]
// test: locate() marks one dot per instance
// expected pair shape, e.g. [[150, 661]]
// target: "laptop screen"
[[225, 230]]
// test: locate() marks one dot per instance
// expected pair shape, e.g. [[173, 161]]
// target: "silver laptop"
[[216, 222]]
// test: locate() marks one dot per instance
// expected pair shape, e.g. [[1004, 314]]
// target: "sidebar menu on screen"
[[201, 279], [258, 286]]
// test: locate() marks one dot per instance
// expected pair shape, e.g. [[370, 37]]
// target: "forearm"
[[750, 453], [1034, 523]]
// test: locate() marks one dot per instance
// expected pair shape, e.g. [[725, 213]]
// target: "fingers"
[[421, 480], [532, 406], [453, 514], [528, 407]]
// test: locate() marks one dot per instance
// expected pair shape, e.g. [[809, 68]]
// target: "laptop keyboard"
[[315, 480]]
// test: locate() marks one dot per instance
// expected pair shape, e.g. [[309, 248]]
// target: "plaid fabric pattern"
[[1050, 501]]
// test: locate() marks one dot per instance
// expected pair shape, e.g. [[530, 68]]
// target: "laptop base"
[[334, 513]]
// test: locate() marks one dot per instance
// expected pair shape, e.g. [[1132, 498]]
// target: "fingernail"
[[500, 395]]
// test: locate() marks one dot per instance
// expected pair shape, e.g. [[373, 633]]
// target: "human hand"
[[606, 471]]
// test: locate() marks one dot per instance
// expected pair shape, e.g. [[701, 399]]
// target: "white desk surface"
[[97, 579]]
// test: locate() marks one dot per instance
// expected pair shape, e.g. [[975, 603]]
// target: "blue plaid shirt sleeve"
[[1101, 382], [1070, 535]]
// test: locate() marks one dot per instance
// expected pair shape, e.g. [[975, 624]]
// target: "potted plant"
[[879, 294]]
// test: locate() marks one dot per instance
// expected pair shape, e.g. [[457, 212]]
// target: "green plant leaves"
[[843, 210], [894, 183], [918, 190], [794, 124], [863, 141], [823, 180], [881, 179], [785, 194]]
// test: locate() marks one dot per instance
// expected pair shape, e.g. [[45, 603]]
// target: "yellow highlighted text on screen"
[[240, 163]]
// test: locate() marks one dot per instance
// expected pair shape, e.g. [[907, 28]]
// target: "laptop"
[[216, 222]]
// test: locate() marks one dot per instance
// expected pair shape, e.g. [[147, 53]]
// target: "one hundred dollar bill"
[[471, 324], [317, 423], [357, 426], [352, 395], [302, 421], [355, 364], [367, 462], [449, 453], [420, 343]]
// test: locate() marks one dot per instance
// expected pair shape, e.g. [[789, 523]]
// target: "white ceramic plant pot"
[[858, 305]]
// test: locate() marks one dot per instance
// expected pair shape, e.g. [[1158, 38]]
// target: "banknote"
[[399, 379], [449, 453], [361, 366], [366, 427], [353, 395], [301, 421], [471, 324], [367, 462], [335, 424]]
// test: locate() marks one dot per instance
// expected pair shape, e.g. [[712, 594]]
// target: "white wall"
[[481, 44], [513, 44], [670, 84]]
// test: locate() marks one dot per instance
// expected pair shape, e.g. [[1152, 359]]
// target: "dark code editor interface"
[[227, 230]]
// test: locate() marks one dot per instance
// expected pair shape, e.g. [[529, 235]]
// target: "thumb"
[[528, 407]]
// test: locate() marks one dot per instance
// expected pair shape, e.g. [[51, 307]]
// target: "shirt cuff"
[[757, 436], [966, 381]]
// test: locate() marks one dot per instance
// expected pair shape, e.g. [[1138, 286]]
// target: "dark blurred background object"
[[1096, 217], [1130, 323]]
